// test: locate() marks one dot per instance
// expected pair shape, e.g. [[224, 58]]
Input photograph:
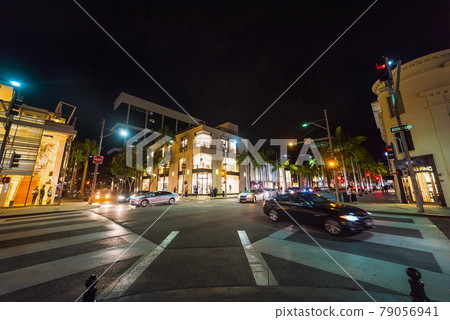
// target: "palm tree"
[[76, 157], [88, 148], [247, 159]]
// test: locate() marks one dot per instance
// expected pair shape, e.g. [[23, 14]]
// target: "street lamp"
[[123, 133], [15, 83], [336, 191]]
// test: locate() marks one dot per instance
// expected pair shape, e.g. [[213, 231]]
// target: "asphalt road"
[[216, 250]]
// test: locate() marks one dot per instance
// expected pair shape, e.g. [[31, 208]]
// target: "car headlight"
[[97, 196], [121, 198], [350, 217], [107, 196]]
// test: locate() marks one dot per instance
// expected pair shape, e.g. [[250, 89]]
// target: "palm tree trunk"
[[345, 172], [83, 180], [354, 174], [360, 174], [72, 180]]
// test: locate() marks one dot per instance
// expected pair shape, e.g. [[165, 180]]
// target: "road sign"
[[98, 159], [405, 127], [307, 141], [183, 166], [321, 144]]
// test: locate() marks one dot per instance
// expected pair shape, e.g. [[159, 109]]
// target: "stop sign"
[[183, 166], [98, 159]]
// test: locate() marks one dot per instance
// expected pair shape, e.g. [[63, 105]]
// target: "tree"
[[76, 158], [247, 159], [120, 169], [88, 148]]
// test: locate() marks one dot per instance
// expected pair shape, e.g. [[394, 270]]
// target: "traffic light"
[[377, 178], [384, 70], [339, 178], [367, 174], [15, 159], [222, 173], [5, 180], [391, 151]]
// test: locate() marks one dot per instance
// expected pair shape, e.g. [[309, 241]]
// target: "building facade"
[[42, 139], [425, 103]]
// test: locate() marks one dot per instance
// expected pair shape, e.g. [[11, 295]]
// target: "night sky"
[[221, 60]]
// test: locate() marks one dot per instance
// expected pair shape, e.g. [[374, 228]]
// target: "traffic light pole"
[[94, 180], [396, 95], [336, 185]]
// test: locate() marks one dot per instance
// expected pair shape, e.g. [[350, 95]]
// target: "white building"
[[424, 86]]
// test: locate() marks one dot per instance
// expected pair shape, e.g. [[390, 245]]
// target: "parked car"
[[270, 193], [139, 193], [124, 197], [251, 195], [314, 209], [102, 196], [292, 190], [155, 197]]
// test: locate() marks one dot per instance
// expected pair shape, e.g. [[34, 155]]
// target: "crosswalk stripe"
[[41, 218], [38, 232], [16, 251], [43, 223], [20, 279], [118, 287], [377, 272], [261, 272]]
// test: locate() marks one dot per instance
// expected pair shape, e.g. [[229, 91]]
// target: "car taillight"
[[264, 202]]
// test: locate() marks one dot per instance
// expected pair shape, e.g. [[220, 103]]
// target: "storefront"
[[427, 179]]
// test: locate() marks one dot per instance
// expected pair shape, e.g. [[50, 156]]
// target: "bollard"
[[417, 293], [91, 285]]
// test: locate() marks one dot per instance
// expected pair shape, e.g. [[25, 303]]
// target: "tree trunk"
[[360, 174], [72, 180], [83, 180], [354, 174], [345, 171]]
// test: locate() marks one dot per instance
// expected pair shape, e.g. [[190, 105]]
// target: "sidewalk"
[[382, 203], [45, 209]]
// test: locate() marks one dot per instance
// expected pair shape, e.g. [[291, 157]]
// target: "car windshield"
[[251, 191], [315, 199]]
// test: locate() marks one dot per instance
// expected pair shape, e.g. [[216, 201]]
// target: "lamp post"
[[94, 180], [336, 191]]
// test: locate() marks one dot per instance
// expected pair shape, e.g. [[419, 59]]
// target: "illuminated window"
[[229, 164], [202, 139], [202, 161], [233, 145], [184, 142]]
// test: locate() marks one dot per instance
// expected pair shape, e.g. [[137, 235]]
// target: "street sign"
[[321, 144], [98, 159], [183, 166], [405, 127], [307, 141]]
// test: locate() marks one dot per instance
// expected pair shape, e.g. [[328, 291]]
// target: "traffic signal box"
[[391, 151], [384, 70], [5, 180], [15, 159], [223, 173]]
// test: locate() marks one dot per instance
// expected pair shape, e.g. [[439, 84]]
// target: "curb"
[[430, 215]]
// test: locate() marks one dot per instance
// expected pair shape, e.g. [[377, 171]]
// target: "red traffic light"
[[367, 174], [377, 178], [380, 67], [5, 180], [339, 178]]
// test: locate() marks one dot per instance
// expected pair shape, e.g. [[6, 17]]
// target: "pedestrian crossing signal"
[[5, 180], [391, 151], [223, 173]]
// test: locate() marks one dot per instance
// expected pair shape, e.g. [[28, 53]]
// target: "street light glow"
[[304, 125], [15, 83], [123, 132]]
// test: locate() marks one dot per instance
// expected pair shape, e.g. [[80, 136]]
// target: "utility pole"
[[396, 96], [336, 186], [94, 180]]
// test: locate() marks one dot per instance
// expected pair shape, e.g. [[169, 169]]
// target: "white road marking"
[[118, 287], [43, 223], [377, 272], [20, 279], [261, 271], [41, 218], [39, 232]]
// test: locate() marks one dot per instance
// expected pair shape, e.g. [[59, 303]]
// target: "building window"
[[229, 164], [224, 144], [409, 140], [202, 161], [202, 139], [401, 108], [233, 145], [180, 163], [184, 142], [163, 152]]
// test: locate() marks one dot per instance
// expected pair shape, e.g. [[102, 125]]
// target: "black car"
[[314, 209]]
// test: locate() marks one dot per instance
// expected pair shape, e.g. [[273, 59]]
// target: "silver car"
[[154, 198], [251, 195], [270, 193]]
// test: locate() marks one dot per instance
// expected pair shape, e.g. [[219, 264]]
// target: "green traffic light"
[[304, 125]]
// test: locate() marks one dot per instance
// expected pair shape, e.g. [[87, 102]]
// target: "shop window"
[[202, 139], [202, 161], [230, 164], [233, 145]]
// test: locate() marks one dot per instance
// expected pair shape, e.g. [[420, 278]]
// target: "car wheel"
[[273, 215], [171, 200], [144, 203], [332, 227], [254, 199]]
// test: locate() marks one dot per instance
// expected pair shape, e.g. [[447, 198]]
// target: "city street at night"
[[217, 249]]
